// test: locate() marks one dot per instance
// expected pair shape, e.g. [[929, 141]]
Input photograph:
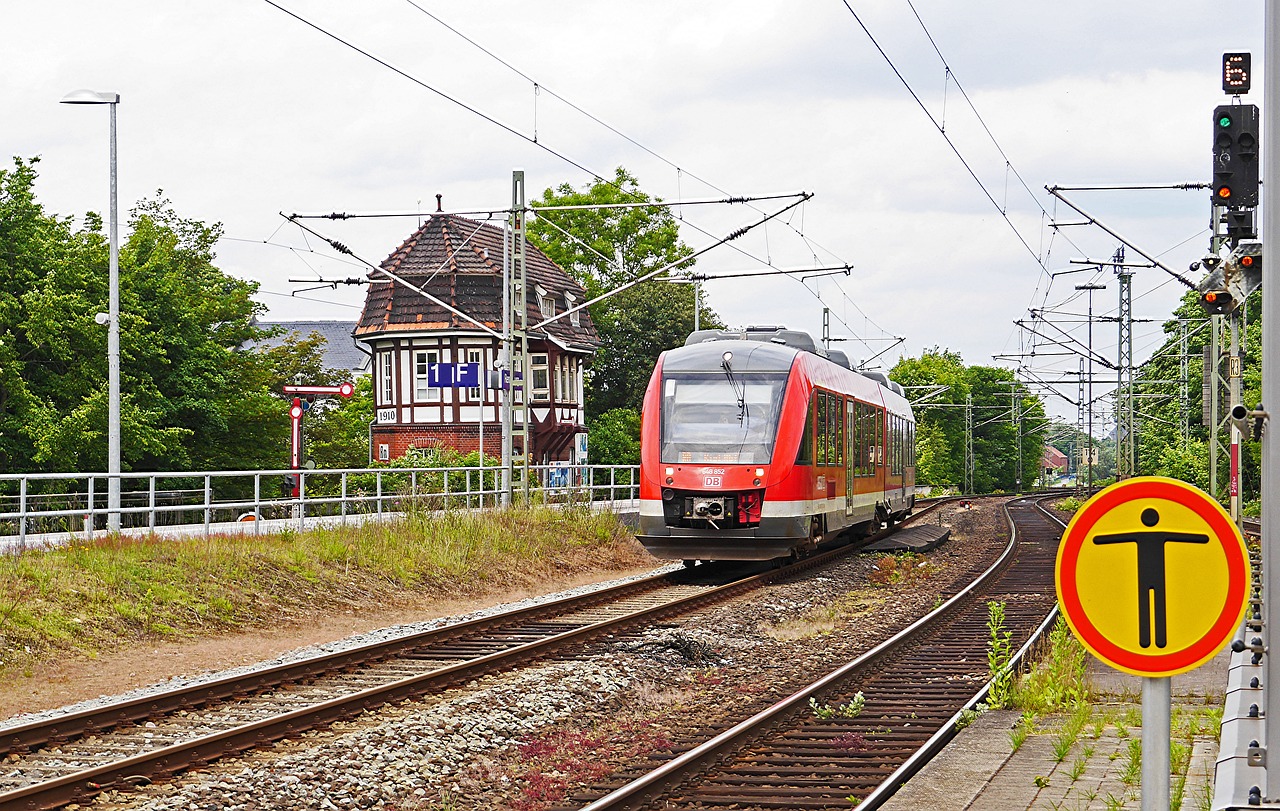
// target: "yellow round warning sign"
[[1152, 576]]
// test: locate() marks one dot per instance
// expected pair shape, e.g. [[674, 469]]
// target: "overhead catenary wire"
[[536, 142], [942, 131]]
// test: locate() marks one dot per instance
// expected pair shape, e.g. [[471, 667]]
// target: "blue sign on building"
[[453, 375]]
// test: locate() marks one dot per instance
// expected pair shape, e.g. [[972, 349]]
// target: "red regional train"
[[758, 444]]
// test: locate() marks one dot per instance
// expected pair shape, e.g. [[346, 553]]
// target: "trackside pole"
[[1157, 707], [1270, 386]]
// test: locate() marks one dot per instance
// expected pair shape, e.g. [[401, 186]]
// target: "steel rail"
[[654, 784], [951, 728], [81, 785]]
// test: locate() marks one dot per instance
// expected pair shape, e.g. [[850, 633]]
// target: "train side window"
[[880, 418], [836, 430], [805, 455], [820, 424]]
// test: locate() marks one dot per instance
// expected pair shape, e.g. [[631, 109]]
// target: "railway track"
[[914, 688], [70, 758]]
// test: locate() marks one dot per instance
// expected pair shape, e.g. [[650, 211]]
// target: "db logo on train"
[[1152, 576]]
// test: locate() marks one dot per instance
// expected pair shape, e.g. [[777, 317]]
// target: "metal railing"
[[43, 506]]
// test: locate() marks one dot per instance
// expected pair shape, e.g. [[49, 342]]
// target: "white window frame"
[[476, 392], [547, 305], [538, 363], [568, 305], [423, 393], [386, 376]]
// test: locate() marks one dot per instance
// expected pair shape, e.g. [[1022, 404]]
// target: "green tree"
[[614, 438], [191, 396], [338, 430], [637, 324], [940, 433]]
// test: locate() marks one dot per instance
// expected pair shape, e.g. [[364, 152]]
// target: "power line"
[[534, 141], [943, 132]]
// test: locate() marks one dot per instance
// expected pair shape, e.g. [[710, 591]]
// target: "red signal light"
[[1211, 297], [1246, 261], [1224, 192]]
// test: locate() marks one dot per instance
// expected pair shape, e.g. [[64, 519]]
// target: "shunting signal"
[[1216, 302]]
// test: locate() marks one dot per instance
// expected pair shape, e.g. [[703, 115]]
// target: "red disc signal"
[[347, 389]]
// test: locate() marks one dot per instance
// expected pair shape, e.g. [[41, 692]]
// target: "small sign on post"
[[1153, 578]]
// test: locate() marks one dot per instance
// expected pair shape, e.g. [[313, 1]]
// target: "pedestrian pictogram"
[[1152, 576]]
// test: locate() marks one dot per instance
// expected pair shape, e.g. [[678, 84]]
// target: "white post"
[[113, 349], [1271, 376], [1156, 711]]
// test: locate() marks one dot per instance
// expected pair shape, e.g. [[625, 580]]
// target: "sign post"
[[1153, 578]]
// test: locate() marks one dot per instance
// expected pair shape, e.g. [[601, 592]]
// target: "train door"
[[851, 453]]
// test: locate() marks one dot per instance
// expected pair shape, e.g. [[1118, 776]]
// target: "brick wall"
[[462, 438]]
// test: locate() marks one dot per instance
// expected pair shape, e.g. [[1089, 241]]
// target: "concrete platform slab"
[[1052, 768], [913, 539]]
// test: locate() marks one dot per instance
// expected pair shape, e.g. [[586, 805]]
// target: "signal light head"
[[1224, 192], [1224, 120], [1217, 302]]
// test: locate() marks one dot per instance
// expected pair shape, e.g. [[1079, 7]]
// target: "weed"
[[999, 652], [1070, 731], [826, 712], [901, 568], [1058, 680], [850, 742], [1018, 735], [1113, 802], [968, 716], [1132, 772], [1078, 767], [1068, 505], [1041, 781]]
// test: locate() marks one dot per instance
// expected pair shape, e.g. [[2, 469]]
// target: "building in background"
[[459, 261], [341, 352]]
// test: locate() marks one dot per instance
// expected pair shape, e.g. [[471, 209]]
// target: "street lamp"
[[113, 318]]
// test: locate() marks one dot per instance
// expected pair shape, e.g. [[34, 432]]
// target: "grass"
[[826, 619], [1059, 680], [94, 596]]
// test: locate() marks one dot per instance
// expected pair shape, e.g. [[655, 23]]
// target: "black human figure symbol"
[[1151, 572]]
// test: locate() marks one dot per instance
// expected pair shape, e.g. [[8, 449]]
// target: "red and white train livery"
[[758, 444]]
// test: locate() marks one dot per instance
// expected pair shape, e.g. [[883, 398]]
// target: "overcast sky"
[[238, 111]]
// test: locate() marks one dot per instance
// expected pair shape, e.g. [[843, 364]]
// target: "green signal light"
[[1224, 121]]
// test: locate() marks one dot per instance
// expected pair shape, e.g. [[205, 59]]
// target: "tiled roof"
[[459, 261], [340, 352]]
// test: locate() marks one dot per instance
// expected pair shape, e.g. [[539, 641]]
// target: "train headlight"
[[670, 480], [759, 472], [755, 482]]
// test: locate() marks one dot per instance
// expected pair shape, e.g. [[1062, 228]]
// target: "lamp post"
[[113, 318]]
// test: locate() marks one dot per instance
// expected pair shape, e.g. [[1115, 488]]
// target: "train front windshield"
[[720, 418]]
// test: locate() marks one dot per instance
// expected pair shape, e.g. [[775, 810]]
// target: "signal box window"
[[476, 356], [422, 361], [386, 388], [541, 378]]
